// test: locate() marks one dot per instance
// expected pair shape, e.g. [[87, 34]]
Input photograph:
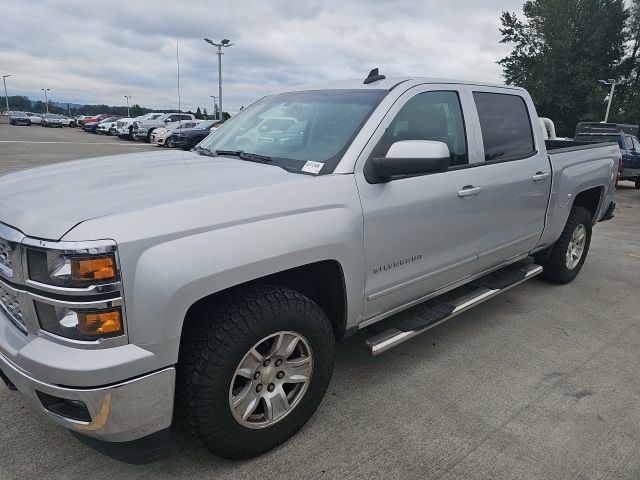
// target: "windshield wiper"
[[252, 157], [204, 151]]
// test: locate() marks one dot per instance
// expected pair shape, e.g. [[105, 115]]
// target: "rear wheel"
[[637, 182], [253, 368], [564, 260]]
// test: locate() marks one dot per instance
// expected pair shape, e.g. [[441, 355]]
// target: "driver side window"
[[429, 116]]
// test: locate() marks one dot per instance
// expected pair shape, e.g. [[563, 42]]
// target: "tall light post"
[[223, 43], [128, 97], [6, 97], [46, 98], [613, 84], [215, 112]]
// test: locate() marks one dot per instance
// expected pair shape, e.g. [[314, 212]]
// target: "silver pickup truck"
[[213, 284]]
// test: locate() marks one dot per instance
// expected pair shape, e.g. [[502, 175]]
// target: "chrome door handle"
[[540, 176], [469, 191]]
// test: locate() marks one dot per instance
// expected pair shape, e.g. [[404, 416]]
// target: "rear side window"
[[505, 124], [636, 145]]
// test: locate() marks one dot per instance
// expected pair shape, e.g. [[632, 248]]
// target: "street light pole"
[[128, 97], [46, 98], [215, 111], [6, 97], [613, 84], [219, 46]]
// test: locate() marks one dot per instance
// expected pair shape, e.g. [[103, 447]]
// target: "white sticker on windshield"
[[312, 167]]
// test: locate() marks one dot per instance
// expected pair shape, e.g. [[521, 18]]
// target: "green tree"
[[199, 114], [560, 51], [205, 115], [627, 101]]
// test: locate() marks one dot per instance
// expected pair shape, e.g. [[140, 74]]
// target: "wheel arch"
[[590, 199], [323, 282]]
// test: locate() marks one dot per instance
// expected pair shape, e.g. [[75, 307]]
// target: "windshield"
[[205, 125], [298, 127], [600, 139], [19, 114]]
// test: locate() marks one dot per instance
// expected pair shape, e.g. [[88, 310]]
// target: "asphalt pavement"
[[540, 382]]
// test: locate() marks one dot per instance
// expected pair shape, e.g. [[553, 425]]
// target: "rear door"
[[420, 233], [516, 174]]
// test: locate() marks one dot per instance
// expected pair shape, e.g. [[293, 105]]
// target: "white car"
[[108, 127], [124, 126], [162, 136], [36, 118]]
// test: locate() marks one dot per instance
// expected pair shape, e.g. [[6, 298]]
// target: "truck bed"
[[566, 144]]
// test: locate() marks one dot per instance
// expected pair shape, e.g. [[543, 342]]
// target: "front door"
[[420, 233]]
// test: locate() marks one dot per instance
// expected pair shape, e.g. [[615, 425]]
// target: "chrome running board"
[[437, 314]]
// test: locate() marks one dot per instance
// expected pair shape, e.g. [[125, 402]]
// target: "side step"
[[437, 314]]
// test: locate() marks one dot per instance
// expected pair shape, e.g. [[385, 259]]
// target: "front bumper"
[[121, 412]]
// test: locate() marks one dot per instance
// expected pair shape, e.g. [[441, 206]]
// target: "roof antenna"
[[373, 76]]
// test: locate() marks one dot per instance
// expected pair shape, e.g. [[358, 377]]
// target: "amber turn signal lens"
[[97, 268], [100, 323]]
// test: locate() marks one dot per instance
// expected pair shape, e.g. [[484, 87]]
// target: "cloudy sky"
[[97, 51]]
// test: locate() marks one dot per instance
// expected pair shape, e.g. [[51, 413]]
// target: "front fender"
[[213, 261]]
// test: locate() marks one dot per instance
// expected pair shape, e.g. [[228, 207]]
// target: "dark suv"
[[629, 148]]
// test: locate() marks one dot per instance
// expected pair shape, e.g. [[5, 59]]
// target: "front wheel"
[[253, 368], [565, 259]]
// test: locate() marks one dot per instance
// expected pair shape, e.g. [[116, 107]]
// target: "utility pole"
[[46, 98], [613, 84], [223, 43], [6, 97], [128, 97]]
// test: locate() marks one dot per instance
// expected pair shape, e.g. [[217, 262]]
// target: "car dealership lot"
[[540, 382]]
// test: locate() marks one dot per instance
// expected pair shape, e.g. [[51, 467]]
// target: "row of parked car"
[[42, 119], [175, 130]]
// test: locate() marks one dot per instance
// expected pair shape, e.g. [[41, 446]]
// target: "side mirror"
[[408, 158]]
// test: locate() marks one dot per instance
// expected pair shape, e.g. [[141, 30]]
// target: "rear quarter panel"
[[575, 170]]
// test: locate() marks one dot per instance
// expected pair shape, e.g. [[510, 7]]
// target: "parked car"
[[67, 122], [225, 282], [124, 126], [189, 138], [162, 136], [19, 118], [95, 118], [92, 127], [629, 147], [142, 129], [36, 118], [107, 126], [51, 120]]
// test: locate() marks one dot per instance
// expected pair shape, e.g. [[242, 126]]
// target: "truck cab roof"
[[387, 84]]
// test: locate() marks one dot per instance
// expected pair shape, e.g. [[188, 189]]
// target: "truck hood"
[[47, 202]]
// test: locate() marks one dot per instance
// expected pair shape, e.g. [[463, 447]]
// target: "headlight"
[[79, 324], [71, 270]]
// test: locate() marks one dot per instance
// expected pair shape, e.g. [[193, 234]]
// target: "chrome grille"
[[5, 256], [11, 305]]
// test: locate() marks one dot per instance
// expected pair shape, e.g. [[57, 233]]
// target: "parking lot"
[[540, 382]]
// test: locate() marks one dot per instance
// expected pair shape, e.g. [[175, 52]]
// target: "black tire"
[[638, 183], [215, 341], [130, 136], [148, 140], [554, 261]]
